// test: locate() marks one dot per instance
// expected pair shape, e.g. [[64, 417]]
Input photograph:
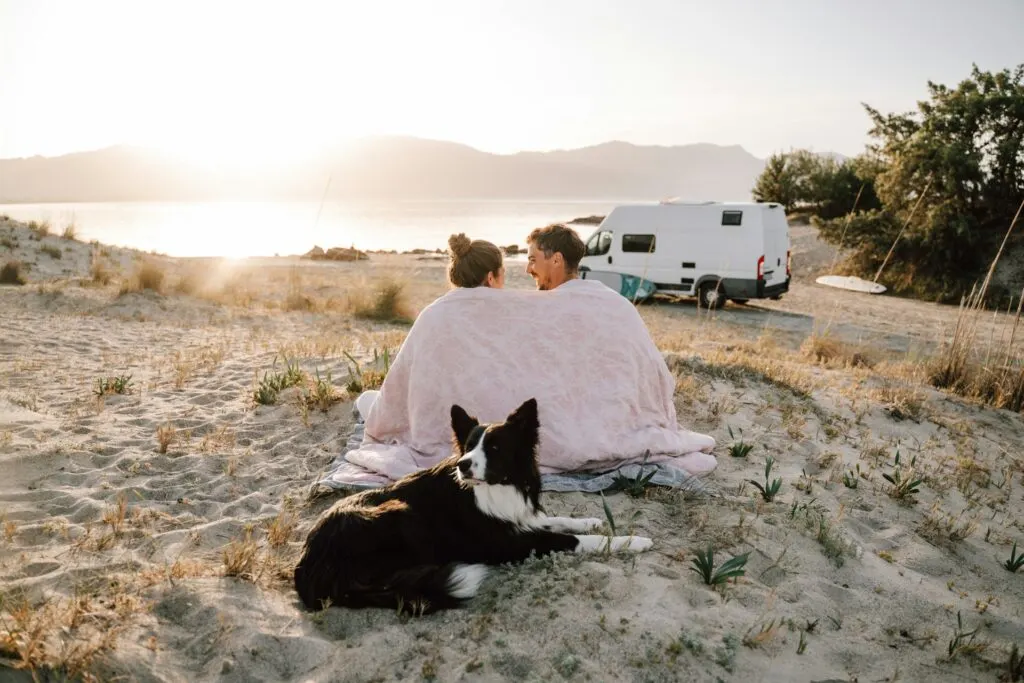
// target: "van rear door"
[[776, 244]]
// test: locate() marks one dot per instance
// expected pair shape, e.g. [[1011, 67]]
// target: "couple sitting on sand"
[[604, 392], [553, 258]]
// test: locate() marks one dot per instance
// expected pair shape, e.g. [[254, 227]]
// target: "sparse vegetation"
[[830, 351], [771, 486], [941, 527], [99, 273], [1015, 562], [904, 486], [240, 556], [993, 375], [1014, 666], [739, 449], [51, 251], [64, 636], [901, 401], [362, 379], [637, 486], [273, 383], [11, 274], [148, 275], [166, 435], [387, 303], [963, 642], [745, 365], [852, 477], [120, 384], [321, 394], [704, 565], [190, 282], [260, 558], [281, 528], [40, 229]]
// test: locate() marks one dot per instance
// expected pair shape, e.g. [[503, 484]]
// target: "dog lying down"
[[424, 543]]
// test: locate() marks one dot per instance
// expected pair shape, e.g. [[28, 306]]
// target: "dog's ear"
[[525, 416], [462, 425]]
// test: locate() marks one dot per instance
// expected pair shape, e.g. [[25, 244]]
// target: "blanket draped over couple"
[[603, 390]]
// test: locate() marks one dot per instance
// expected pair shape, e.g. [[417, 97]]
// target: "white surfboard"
[[851, 283]]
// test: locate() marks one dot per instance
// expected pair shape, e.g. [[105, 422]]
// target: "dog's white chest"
[[504, 502]]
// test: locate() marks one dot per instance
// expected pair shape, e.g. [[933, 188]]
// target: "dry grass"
[[240, 556], [267, 558], [114, 516], [320, 393], [69, 231], [185, 365], [61, 638], [11, 274], [941, 527], [743, 364], [297, 299], [991, 373], [829, 351], [281, 528], [39, 229], [900, 400], [386, 303], [148, 275], [166, 435], [99, 273], [220, 439], [51, 251], [191, 282]]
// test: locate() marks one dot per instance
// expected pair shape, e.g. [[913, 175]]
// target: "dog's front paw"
[[639, 544], [591, 523]]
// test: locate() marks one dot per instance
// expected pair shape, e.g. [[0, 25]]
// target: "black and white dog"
[[423, 543]]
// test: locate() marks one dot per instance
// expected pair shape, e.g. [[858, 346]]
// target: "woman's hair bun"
[[459, 244]]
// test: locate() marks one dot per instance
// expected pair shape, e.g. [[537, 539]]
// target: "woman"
[[474, 263]]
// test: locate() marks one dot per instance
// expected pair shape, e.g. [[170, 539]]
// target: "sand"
[[124, 560]]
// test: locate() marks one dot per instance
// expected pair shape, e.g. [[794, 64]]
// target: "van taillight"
[[789, 263], [760, 268]]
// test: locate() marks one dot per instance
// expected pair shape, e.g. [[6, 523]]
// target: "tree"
[[819, 185], [777, 183], [960, 161]]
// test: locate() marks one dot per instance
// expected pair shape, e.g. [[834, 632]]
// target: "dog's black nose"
[[464, 465]]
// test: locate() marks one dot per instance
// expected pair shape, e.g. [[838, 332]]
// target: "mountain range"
[[390, 167]]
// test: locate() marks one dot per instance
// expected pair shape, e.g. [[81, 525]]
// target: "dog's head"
[[501, 453]]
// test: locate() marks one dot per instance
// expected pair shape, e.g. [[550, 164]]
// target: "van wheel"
[[711, 295]]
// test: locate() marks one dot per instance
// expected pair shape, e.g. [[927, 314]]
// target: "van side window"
[[638, 243], [599, 243], [732, 218]]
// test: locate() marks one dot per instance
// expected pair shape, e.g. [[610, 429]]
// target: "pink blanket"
[[603, 389]]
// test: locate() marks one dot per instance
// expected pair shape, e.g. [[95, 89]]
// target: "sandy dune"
[[122, 559]]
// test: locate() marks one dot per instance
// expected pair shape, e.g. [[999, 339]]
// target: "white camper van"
[[712, 250]]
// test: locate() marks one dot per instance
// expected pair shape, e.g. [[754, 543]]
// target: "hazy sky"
[[221, 79]]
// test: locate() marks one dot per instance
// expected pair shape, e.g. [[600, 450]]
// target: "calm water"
[[268, 228]]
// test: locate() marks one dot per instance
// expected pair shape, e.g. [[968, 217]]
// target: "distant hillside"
[[398, 168]]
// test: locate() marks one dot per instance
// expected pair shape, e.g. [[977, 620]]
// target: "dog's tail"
[[419, 590]]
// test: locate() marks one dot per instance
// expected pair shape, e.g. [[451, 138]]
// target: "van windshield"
[[599, 243]]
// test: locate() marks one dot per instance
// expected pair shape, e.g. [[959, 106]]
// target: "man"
[[554, 255]]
